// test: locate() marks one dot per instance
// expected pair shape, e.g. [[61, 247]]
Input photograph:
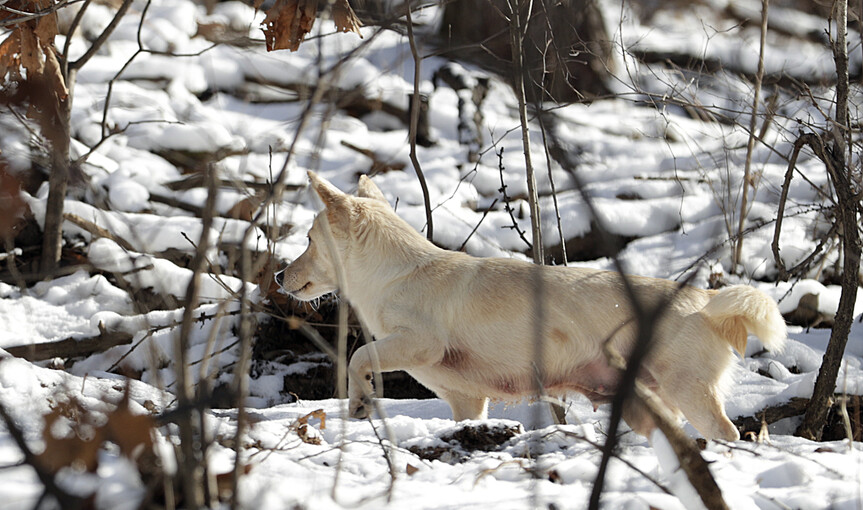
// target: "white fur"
[[465, 326]]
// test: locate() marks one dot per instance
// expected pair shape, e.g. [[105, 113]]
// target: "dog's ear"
[[330, 195], [368, 189]]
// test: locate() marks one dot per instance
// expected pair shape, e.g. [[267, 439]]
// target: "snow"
[[64, 307], [652, 172]]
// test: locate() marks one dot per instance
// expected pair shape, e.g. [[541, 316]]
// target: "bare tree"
[[47, 88], [847, 188]]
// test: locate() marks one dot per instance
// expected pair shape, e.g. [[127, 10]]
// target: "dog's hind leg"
[[702, 406], [640, 420]]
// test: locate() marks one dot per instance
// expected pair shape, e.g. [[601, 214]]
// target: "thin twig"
[[241, 375], [29, 15], [414, 122], [516, 31], [472, 232], [71, 32], [100, 40], [190, 466], [97, 231], [548, 162], [750, 145]]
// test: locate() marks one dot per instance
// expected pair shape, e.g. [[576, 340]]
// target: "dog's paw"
[[360, 408]]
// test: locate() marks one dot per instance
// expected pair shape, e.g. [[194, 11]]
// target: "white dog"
[[465, 326]]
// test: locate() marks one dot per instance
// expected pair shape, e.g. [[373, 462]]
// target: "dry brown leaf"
[[410, 469], [307, 436], [31, 52], [287, 23], [266, 281], [67, 451], [345, 18], [14, 5], [245, 208], [30, 46], [9, 53], [213, 32], [225, 482], [302, 425], [46, 29], [320, 414], [55, 75], [129, 431]]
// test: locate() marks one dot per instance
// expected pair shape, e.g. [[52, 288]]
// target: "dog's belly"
[[595, 380], [460, 373]]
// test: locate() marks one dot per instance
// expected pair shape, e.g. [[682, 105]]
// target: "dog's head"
[[313, 273]]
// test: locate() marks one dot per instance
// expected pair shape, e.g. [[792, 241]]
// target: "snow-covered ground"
[[653, 172]]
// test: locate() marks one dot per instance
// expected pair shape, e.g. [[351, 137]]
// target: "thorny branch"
[[506, 202]]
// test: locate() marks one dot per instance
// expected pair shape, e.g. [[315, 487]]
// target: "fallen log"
[[769, 415], [70, 347], [844, 417]]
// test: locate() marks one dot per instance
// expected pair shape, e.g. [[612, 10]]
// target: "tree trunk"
[[567, 53], [816, 413], [813, 421], [59, 137]]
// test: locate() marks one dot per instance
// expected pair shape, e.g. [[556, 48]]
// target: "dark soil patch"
[[482, 437], [313, 376], [591, 246], [466, 440]]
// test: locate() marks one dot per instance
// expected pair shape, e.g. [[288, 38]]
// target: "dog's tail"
[[738, 310]]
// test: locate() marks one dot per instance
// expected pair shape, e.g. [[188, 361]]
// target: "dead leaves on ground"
[[79, 446], [288, 22], [306, 433]]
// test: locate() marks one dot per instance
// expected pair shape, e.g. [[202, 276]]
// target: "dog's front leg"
[[360, 389], [400, 351]]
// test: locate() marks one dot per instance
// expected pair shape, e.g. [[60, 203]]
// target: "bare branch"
[[750, 145], [414, 122], [29, 15], [692, 463], [517, 31], [95, 45]]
